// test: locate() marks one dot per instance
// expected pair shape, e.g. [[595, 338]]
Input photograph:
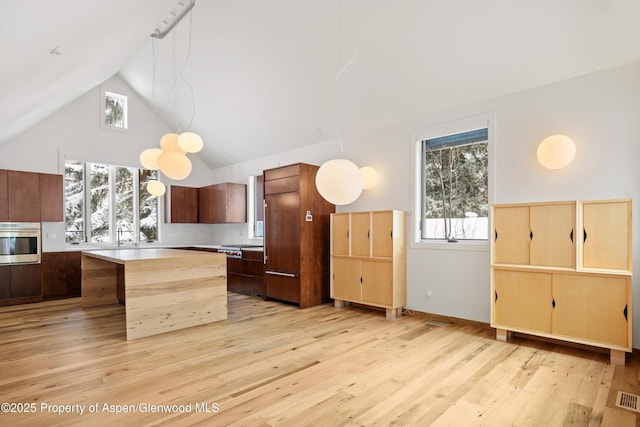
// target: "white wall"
[[74, 133], [600, 111]]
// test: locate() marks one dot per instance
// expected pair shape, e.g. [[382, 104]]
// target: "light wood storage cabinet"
[[369, 259], [563, 270]]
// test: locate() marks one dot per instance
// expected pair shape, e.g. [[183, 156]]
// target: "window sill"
[[466, 246]]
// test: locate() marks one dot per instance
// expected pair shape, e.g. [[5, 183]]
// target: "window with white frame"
[[453, 182], [107, 203], [115, 111]]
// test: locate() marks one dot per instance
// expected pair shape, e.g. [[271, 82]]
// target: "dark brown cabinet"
[[222, 203], [296, 240], [213, 204], [20, 283], [31, 196], [51, 197], [61, 277], [24, 196], [4, 196], [246, 275], [181, 204]]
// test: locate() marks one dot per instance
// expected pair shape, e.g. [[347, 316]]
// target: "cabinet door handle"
[[584, 238], [571, 235], [553, 303], [277, 273], [496, 238], [625, 312], [496, 297], [361, 280], [531, 235]]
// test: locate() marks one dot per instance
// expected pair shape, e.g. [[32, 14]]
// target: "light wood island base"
[[164, 289]]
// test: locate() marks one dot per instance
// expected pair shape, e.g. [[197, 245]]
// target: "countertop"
[[122, 256], [94, 248]]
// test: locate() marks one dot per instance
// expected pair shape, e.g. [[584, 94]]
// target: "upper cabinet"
[[31, 197], [51, 197], [606, 235], [24, 196], [181, 204], [222, 203], [213, 204], [4, 196], [535, 234]]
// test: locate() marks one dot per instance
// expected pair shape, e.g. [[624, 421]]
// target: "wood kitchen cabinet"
[[181, 205], [563, 270], [369, 259], [222, 203], [51, 197], [296, 236], [245, 275], [4, 196], [24, 196], [31, 196], [20, 283], [61, 274]]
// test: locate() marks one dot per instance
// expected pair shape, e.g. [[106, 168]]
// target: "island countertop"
[[122, 256]]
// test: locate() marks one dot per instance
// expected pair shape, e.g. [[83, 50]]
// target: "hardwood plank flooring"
[[272, 364]]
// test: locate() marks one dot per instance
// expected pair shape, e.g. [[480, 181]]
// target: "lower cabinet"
[[20, 283], [367, 282], [281, 287], [61, 274], [592, 309], [246, 275]]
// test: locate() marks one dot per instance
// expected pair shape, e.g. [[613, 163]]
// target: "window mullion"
[[135, 174]]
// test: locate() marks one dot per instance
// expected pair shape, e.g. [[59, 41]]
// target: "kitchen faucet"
[[119, 236]]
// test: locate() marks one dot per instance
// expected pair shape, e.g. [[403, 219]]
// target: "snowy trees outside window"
[[455, 199], [115, 110], [102, 201]]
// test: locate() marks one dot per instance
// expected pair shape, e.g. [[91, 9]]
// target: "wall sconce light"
[[369, 177], [556, 151]]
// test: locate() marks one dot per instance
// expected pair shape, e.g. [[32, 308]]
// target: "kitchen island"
[[163, 290]]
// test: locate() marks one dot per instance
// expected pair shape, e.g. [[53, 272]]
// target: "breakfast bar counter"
[[163, 290]]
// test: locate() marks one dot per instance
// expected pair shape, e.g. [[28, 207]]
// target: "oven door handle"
[[277, 273]]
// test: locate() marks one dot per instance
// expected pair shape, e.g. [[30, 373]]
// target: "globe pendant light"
[[190, 142], [169, 143], [174, 165], [339, 181], [149, 158], [156, 188]]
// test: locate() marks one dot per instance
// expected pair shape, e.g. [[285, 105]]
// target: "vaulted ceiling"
[[273, 75]]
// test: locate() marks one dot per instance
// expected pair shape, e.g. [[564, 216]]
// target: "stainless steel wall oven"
[[19, 242]]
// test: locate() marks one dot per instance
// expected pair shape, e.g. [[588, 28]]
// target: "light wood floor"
[[273, 364]]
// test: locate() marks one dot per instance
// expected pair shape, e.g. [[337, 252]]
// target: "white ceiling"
[[264, 72]]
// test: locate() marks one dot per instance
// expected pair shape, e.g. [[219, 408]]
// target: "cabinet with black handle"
[[563, 270]]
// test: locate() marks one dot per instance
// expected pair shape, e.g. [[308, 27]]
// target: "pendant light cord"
[[336, 86], [180, 75]]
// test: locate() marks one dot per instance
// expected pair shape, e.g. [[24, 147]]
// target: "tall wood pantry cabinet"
[[563, 270], [369, 259], [296, 236]]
